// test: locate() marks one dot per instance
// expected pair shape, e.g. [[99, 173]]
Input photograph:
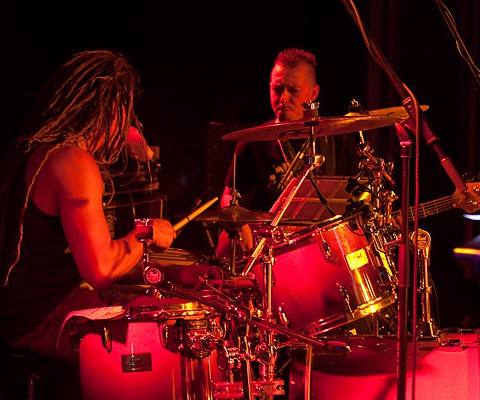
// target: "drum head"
[[176, 257]]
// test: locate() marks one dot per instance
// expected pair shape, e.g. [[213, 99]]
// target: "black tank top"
[[46, 271]]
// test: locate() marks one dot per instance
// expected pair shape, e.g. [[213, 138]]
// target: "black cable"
[[447, 16], [322, 198]]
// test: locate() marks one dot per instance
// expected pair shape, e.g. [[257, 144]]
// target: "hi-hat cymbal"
[[234, 216], [301, 129]]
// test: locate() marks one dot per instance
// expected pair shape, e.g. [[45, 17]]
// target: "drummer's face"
[[289, 88]]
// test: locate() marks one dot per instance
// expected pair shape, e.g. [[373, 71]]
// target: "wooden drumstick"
[[180, 224]]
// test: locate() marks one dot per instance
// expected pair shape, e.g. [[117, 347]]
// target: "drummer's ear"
[[315, 92]]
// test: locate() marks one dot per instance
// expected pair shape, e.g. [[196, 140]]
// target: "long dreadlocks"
[[79, 103]]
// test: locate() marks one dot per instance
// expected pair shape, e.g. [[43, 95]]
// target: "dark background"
[[205, 72]]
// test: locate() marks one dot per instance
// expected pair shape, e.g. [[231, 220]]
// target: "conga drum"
[[152, 352]]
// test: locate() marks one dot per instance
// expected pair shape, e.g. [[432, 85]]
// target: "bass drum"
[[441, 368], [327, 276], [368, 372]]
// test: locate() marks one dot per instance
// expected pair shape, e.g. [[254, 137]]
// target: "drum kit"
[[232, 333]]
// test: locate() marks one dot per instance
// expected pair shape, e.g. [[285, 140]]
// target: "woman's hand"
[[163, 233]]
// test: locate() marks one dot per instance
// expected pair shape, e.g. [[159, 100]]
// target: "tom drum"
[[327, 276]]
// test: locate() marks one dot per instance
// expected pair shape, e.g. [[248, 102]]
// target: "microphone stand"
[[415, 113], [427, 328], [403, 271], [418, 121]]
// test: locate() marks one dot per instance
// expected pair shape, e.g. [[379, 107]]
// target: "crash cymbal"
[[235, 216], [393, 112], [300, 129]]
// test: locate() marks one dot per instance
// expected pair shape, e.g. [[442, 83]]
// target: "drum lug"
[[169, 340], [345, 297], [282, 315], [327, 251], [107, 339]]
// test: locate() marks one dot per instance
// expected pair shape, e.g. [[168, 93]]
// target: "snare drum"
[[181, 267], [327, 276], [154, 352], [176, 257]]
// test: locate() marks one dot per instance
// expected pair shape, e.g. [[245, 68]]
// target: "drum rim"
[[323, 325], [174, 310], [326, 224]]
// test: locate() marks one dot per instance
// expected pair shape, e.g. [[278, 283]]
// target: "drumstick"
[[180, 224]]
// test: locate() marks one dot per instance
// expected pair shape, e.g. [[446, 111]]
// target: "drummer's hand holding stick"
[[160, 233]]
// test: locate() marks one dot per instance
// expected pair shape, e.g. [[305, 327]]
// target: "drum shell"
[[325, 273], [369, 372], [136, 359]]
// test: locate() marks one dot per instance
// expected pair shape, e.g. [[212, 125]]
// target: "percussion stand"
[[233, 233], [264, 352], [234, 238]]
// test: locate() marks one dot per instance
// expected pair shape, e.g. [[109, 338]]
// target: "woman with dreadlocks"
[[56, 251]]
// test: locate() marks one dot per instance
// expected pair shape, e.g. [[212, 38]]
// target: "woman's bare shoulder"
[[65, 164], [70, 153]]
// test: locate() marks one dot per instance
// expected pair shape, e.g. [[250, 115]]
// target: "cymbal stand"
[[246, 368], [378, 172], [375, 196], [233, 237], [266, 350], [374, 199], [234, 233], [312, 162]]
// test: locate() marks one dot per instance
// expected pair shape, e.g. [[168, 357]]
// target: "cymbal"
[[393, 112], [235, 216], [322, 126]]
